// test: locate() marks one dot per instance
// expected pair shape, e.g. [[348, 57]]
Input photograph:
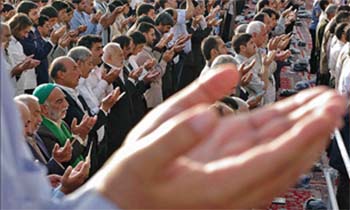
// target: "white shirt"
[[344, 80], [340, 62], [334, 52], [181, 29], [27, 80]]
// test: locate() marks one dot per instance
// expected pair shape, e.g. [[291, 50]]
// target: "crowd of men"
[[85, 72]]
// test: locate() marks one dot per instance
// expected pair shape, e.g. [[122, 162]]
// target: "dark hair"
[[171, 11], [260, 17], [269, 11], [239, 40], [230, 102], [122, 40], [164, 18], [138, 38], [342, 16], [343, 8], [26, 6], [19, 22], [145, 27], [208, 44], [144, 19], [261, 4], [59, 5], [7, 7], [347, 32], [323, 4], [340, 29], [88, 40], [49, 11], [114, 4], [162, 3], [143, 9], [55, 68], [42, 20]]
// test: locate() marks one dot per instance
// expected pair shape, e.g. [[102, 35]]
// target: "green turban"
[[43, 91]]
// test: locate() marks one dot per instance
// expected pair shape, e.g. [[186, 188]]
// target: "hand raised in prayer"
[[63, 154], [111, 76], [149, 64], [85, 126], [135, 73], [109, 101], [182, 155], [168, 55], [151, 76], [74, 178], [56, 34], [269, 58], [55, 180]]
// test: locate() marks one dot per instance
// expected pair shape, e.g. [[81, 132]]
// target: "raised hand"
[[55, 35], [135, 73], [109, 101], [151, 76], [181, 148], [111, 76], [85, 126], [74, 178], [63, 154]]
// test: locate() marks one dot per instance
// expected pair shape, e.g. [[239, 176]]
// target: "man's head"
[[32, 103], [148, 31], [20, 25], [89, 8], [113, 55], [7, 12], [5, 33], [83, 58], [64, 71], [61, 7], [80, 5], [331, 11], [52, 102], [274, 16], [264, 18], [324, 4], [44, 26], [139, 41], [164, 21], [258, 31], [26, 118], [29, 8], [94, 44], [146, 9], [213, 46], [51, 13], [168, 4], [243, 44], [126, 44]]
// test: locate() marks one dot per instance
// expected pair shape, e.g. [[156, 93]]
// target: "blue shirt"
[[316, 12], [83, 19], [24, 184]]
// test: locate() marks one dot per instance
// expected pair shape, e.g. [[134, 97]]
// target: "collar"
[[72, 92], [53, 122]]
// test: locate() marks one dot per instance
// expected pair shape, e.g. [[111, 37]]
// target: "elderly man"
[[51, 159], [66, 74], [53, 129]]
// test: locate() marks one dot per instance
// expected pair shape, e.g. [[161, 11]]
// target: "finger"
[[174, 138], [55, 148], [79, 166], [67, 173], [208, 89], [74, 123]]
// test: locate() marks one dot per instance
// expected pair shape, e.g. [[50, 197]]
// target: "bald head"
[[113, 55], [25, 116], [64, 71], [32, 103]]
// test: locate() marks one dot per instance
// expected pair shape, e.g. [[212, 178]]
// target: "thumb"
[[175, 138], [74, 123], [67, 173], [55, 148]]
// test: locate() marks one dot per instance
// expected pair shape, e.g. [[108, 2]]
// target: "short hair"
[[342, 16], [49, 11], [223, 59], [26, 98], [26, 6], [331, 9], [122, 40], [19, 22], [209, 43], [343, 8], [145, 27], [138, 38], [114, 4], [269, 11], [171, 11], [241, 29], [144, 19], [79, 53], [261, 4], [255, 27], [7, 7], [260, 16], [143, 9], [239, 40], [88, 40], [164, 18], [340, 29], [59, 5], [42, 20], [57, 66], [323, 4], [109, 49], [162, 3]]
